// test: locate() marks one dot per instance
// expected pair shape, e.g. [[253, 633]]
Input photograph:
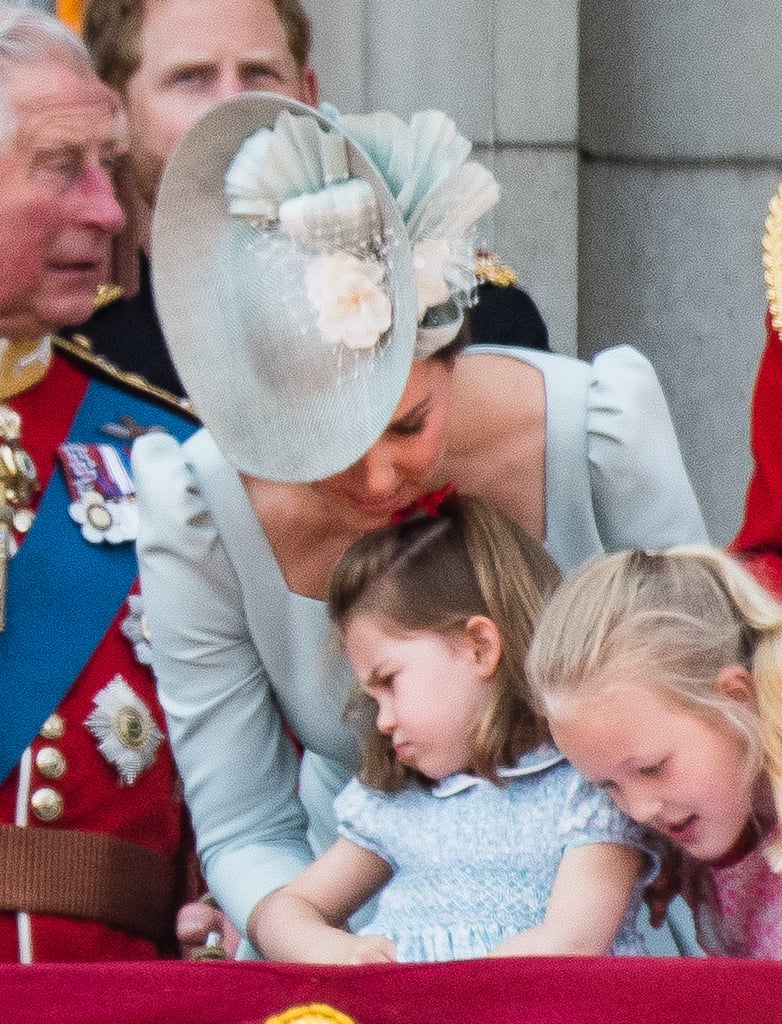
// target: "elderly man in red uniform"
[[93, 837]]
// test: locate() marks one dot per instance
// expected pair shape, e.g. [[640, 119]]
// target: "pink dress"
[[737, 907]]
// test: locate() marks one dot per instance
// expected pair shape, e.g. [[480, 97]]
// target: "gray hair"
[[30, 36]]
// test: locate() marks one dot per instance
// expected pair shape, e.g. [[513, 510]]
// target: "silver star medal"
[[127, 734]]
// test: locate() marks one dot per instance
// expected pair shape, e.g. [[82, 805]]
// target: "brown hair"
[[432, 574], [112, 32], [681, 617]]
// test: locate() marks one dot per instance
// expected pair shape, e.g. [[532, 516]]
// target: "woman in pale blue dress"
[[318, 429], [479, 837]]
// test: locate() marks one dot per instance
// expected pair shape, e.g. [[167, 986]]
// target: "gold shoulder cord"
[[772, 260], [489, 269], [80, 347]]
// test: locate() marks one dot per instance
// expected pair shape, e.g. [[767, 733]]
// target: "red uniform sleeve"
[[759, 541]]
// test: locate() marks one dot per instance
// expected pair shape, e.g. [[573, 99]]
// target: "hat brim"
[[265, 432]]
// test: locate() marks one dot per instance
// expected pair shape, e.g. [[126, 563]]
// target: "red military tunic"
[[759, 541], [65, 782]]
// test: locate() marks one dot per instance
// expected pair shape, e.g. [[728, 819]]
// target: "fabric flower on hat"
[[430, 258], [441, 194], [353, 307], [444, 274]]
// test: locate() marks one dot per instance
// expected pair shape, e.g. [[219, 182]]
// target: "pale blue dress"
[[474, 863], [237, 654]]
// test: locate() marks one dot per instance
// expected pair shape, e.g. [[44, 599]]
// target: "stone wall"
[[637, 145]]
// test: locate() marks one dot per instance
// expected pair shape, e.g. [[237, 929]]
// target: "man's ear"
[[484, 643], [736, 682]]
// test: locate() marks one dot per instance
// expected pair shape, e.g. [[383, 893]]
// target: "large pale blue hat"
[[300, 261]]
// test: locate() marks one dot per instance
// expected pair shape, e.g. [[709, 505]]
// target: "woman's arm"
[[588, 903], [305, 921], [642, 494], [239, 768]]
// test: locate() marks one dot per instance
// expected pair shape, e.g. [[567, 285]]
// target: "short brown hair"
[[112, 32]]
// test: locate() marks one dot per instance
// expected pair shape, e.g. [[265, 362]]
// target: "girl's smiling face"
[[663, 765]]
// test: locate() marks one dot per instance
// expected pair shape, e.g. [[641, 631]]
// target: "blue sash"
[[63, 592]]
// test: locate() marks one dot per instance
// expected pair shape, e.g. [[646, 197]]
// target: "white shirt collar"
[[537, 760]]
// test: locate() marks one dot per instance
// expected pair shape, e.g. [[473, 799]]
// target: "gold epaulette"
[[490, 270], [105, 295], [79, 347], [772, 259]]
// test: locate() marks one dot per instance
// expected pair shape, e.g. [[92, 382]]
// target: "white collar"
[[537, 760]]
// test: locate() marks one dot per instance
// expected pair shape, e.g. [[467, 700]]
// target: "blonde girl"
[[661, 677], [483, 840]]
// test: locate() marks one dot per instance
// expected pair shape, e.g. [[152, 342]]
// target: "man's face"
[[58, 211], [194, 54]]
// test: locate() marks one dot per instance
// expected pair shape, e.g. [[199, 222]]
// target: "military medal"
[[125, 730], [103, 497], [18, 487]]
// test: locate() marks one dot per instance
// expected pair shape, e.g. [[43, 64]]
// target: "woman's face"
[[401, 464]]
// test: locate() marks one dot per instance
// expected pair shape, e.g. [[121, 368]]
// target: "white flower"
[[353, 308], [431, 259], [112, 521]]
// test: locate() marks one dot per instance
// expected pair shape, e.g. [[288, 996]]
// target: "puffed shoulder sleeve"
[[591, 816], [357, 810], [641, 492], [238, 767]]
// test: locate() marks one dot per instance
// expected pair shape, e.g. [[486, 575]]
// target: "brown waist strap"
[[82, 874]]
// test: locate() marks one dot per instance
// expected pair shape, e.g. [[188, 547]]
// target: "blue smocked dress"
[[475, 863]]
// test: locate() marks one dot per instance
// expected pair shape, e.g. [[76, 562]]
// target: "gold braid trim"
[[488, 268], [106, 294], [772, 260], [80, 347]]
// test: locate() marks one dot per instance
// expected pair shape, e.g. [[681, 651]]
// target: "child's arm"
[[304, 921], [587, 905]]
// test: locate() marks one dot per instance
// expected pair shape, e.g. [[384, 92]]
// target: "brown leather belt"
[[86, 875]]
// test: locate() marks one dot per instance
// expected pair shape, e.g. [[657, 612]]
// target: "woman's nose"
[[379, 473]]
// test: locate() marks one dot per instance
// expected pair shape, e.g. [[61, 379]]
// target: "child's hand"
[[372, 949]]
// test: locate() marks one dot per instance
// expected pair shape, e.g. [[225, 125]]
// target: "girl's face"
[[431, 692], [400, 466], [663, 765]]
